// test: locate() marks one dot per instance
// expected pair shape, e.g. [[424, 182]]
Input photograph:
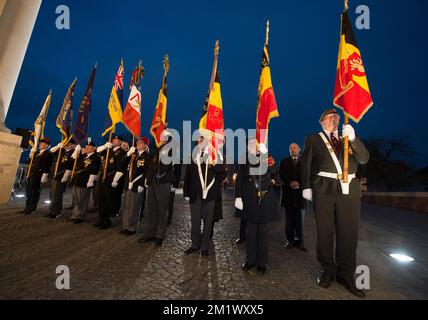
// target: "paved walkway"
[[106, 265]]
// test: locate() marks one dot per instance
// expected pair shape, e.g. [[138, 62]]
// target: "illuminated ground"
[[106, 265]]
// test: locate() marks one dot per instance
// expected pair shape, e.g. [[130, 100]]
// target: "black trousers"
[[243, 230], [171, 207], [57, 189], [338, 216], [32, 192], [107, 201], [257, 243], [201, 210], [293, 225]]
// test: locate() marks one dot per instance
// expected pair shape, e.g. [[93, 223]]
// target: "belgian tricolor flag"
[[266, 107], [159, 117], [351, 91], [212, 120]]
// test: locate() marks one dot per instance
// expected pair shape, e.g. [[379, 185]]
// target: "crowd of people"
[[120, 178]]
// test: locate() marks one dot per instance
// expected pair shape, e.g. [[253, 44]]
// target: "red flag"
[[131, 117]]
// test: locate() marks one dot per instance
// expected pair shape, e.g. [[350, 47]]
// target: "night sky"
[[304, 42]]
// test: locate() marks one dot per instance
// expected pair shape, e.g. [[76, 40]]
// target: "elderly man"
[[85, 174], [59, 181], [134, 186], [337, 205], [292, 200], [39, 171], [112, 180]]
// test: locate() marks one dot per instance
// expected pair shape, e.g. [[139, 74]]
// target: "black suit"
[[292, 200], [41, 164], [335, 213]]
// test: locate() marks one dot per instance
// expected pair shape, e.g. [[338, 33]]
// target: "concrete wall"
[[10, 153], [417, 201]]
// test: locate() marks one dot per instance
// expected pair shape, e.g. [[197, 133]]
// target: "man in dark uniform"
[[39, 172], [202, 195], [134, 186], [160, 176], [59, 181], [337, 205], [292, 200], [257, 193], [84, 178], [111, 187]]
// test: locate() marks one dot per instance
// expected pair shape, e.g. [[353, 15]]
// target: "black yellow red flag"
[[351, 90]]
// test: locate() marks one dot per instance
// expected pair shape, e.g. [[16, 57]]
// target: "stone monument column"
[[17, 19]]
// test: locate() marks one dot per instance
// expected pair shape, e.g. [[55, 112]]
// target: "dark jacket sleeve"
[[96, 167], [306, 163], [47, 163], [177, 175], [360, 152]]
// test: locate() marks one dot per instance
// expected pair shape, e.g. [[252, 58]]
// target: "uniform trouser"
[[106, 202], [157, 201], [117, 197], [131, 210], [81, 202], [201, 210], [337, 215], [143, 204], [257, 243], [171, 206], [32, 192], [243, 230], [95, 191], [57, 189], [293, 225]]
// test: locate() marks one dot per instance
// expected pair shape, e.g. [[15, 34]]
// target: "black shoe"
[[78, 221], [325, 279], [289, 245], [98, 225], [261, 269], [190, 251], [349, 284], [204, 253], [123, 231], [145, 240], [158, 242], [239, 241], [247, 266], [129, 233]]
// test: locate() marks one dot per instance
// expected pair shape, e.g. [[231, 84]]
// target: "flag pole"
[[131, 167], [106, 160], [346, 140], [57, 162], [216, 52], [74, 166], [31, 164]]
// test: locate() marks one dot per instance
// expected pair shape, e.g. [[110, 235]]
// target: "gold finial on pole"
[[346, 5], [267, 33]]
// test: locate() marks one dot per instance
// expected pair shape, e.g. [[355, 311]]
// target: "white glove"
[[116, 178], [44, 178], [131, 151], [105, 146], [263, 149], [187, 198], [33, 150], [91, 181], [347, 130], [58, 146], [145, 183], [239, 204], [76, 152], [173, 189], [140, 189], [307, 194], [66, 175], [130, 185]]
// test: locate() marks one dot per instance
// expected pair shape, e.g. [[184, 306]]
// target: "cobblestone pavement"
[[106, 265]]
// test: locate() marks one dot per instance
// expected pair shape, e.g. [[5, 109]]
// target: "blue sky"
[[303, 45]]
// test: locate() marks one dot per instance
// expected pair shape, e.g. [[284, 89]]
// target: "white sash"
[[131, 184], [201, 178], [344, 186]]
